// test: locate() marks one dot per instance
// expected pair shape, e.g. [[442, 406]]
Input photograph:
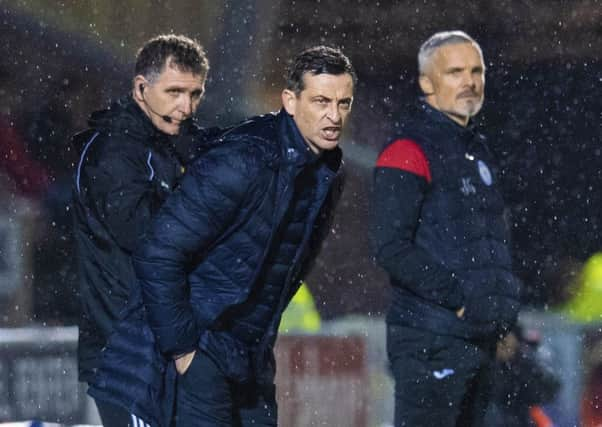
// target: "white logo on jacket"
[[467, 188], [485, 173], [443, 373]]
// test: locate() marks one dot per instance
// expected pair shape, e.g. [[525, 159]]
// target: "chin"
[[329, 145], [471, 109], [171, 131]]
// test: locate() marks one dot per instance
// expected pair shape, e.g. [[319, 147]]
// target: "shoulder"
[[253, 142], [405, 154], [100, 146], [106, 161], [235, 160], [258, 132]]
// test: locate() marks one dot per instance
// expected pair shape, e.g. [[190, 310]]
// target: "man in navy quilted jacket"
[[440, 233], [228, 249]]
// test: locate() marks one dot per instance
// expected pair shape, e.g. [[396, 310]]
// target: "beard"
[[470, 107]]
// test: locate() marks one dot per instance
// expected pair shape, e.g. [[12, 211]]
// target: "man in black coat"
[[228, 249], [133, 156], [440, 233]]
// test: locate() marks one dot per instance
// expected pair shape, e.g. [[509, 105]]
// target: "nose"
[[470, 80], [333, 113], [186, 105]]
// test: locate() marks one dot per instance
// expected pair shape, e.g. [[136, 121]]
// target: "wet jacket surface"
[[439, 229], [222, 260], [125, 171]]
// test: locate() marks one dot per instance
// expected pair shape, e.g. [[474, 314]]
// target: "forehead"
[[171, 75], [457, 55], [329, 85]]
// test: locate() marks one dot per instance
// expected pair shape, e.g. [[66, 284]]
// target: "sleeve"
[[401, 179], [119, 190], [189, 223]]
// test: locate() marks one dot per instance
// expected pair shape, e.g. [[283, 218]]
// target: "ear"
[[289, 101], [426, 85], [139, 81]]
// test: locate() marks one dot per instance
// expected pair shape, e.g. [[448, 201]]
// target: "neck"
[[461, 120]]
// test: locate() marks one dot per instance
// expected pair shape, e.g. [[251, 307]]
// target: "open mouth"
[[332, 133]]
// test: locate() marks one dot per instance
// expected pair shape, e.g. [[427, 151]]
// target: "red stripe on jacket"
[[406, 155]]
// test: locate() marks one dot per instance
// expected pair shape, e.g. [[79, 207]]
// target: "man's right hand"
[[460, 312], [183, 362]]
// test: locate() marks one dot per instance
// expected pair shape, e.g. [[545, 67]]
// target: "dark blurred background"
[[60, 60]]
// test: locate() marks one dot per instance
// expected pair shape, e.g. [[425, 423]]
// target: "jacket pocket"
[[131, 370]]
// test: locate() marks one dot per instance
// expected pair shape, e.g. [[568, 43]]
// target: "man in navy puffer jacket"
[[227, 251], [440, 233]]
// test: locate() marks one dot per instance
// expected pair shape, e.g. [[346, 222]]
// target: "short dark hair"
[[184, 53], [318, 60]]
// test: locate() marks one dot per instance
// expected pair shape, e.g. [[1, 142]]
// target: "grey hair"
[[438, 40]]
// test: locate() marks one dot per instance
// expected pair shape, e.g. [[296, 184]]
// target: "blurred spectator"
[[47, 131], [29, 177], [585, 292], [522, 382], [591, 404], [22, 182], [301, 315]]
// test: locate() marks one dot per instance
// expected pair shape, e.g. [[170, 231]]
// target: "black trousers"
[[440, 380], [206, 398]]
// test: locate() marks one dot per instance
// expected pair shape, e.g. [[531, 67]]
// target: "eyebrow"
[[316, 97], [453, 69], [183, 89]]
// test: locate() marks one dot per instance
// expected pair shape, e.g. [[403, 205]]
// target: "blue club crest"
[[485, 173]]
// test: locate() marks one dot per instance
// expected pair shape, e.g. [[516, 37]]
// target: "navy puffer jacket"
[[210, 240]]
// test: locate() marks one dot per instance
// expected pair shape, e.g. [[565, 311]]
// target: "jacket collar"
[[465, 132], [125, 116], [295, 149]]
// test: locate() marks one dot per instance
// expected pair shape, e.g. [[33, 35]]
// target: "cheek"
[[168, 102], [344, 115], [308, 119]]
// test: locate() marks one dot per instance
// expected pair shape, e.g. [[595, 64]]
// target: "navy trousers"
[[205, 397], [440, 380]]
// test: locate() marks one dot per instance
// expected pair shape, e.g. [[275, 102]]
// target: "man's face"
[[454, 81], [321, 109], [170, 98]]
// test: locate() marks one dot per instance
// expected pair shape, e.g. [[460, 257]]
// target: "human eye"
[[197, 94], [345, 103]]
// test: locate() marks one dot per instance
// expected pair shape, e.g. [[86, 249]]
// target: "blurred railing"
[[336, 378]]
